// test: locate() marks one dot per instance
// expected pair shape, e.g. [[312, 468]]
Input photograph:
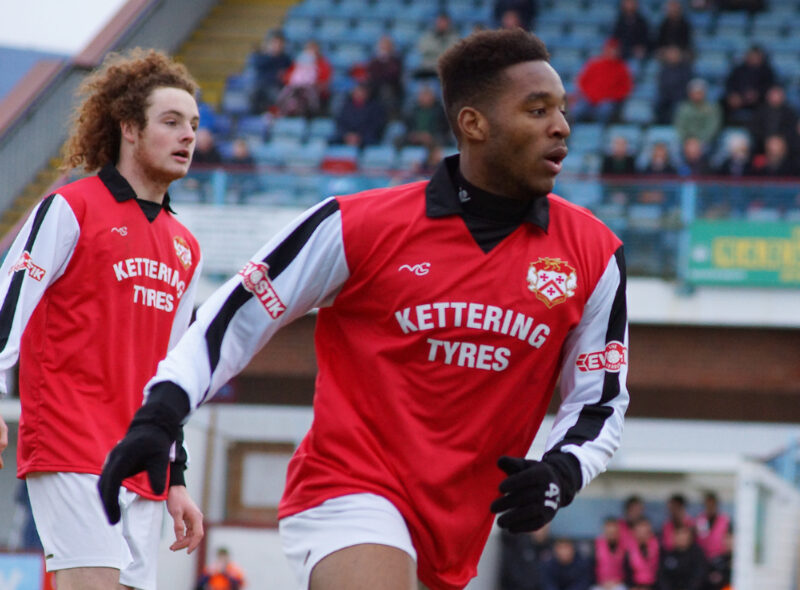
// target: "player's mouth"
[[181, 156], [554, 158]]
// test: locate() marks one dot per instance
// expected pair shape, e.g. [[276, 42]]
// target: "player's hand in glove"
[[145, 447], [535, 490]]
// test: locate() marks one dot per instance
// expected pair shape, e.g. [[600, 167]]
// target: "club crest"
[[552, 280], [183, 251]]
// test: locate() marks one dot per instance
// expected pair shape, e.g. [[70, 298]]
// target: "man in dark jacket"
[[684, 566]]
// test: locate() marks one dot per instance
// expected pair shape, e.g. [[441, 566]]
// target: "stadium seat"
[[586, 137], [368, 31], [289, 127], [306, 156], [380, 158], [275, 151], [322, 127], [411, 156], [299, 29], [394, 131], [252, 126], [346, 55], [236, 102], [340, 158], [637, 110], [333, 30], [632, 133]]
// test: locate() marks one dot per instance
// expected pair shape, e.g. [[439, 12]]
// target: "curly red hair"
[[118, 91]]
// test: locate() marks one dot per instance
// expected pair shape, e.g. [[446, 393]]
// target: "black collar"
[[122, 190], [441, 196]]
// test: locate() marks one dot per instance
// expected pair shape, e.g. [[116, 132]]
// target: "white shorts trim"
[[309, 536], [75, 532]]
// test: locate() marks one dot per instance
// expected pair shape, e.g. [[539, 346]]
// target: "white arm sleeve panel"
[[183, 315], [37, 258], [593, 377], [305, 267]]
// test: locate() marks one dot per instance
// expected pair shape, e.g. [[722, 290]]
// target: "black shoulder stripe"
[[277, 261], [9, 307], [593, 416]]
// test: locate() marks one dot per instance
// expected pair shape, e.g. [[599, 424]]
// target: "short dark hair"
[[679, 499], [470, 69]]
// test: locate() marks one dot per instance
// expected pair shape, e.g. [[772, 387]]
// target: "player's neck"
[[145, 187]]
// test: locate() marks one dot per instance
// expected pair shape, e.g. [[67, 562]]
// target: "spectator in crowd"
[[566, 569], [426, 123], [674, 74], [385, 77], [522, 557], [677, 516], [737, 159], [524, 9], [683, 567], [697, 116], [632, 31], [432, 43], [632, 511], [511, 20], [746, 85], [642, 557], [694, 159], [609, 558], [306, 88], [748, 5], [241, 158], [361, 119], [205, 152], [776, 160], [223, 574], [775, 117], [712, 526], [604, 82], [674, 29], [720, 566], [660, 160], [270, 63], [619, 160]]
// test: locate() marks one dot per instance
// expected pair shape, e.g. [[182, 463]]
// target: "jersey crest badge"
[[183, 251], [612, 359], [552, 280]]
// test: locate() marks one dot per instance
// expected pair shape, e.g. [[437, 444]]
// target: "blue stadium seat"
[[289, 127], [713, 67], [299, 29], [274, 152], [333, 30], [586, 193], [236, 102], [586, 137], [306, 156], [368, 31], [340, 158], [394, 131], [411, 156], [786, 65], [322, 128], [380, 158], [405, 32], [252, 126], [637, 110], [632, 133], [353, 8], [346, 55]]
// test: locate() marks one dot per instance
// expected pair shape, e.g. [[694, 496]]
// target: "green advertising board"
[[744, 253]]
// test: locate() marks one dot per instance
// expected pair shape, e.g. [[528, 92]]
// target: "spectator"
[[223, 574], [660, 161], [683, 567], [604, 83], [426, 122], [205, 152], [241, 158], [619, 160], [633, 510], [525, 9], [746, 85], [737, 158], [566, 569], [361, 119], [609, 556], [697, 116], [675, 29], [694, 160], [385, 77], [432, 43], [522, 557], [749, 5], [775, 117], [511, 20], [632, 31], [712, 527], [306, 87], [776, 160], [270, 63], [677, 516], [674, 74], [642, 557], [720, 566]]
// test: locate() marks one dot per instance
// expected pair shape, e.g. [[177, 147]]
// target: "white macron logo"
[[420, 269], [123, 231]]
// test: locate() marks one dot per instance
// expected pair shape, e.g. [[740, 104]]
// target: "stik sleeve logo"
[[255, 279], [25, 262], [611, 359]]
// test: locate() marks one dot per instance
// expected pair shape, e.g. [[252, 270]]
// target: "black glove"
[[535, 490], [145, 447]]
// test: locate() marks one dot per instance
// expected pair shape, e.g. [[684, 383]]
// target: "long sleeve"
[[37, 258], [593, 389], [301, 268]]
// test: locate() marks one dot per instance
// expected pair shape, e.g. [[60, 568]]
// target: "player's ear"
[[474, 126], [128, 130]]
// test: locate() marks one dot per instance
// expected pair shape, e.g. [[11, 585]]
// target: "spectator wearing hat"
[[674, 73], [432, 43], [746, 85], [697, 116]]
